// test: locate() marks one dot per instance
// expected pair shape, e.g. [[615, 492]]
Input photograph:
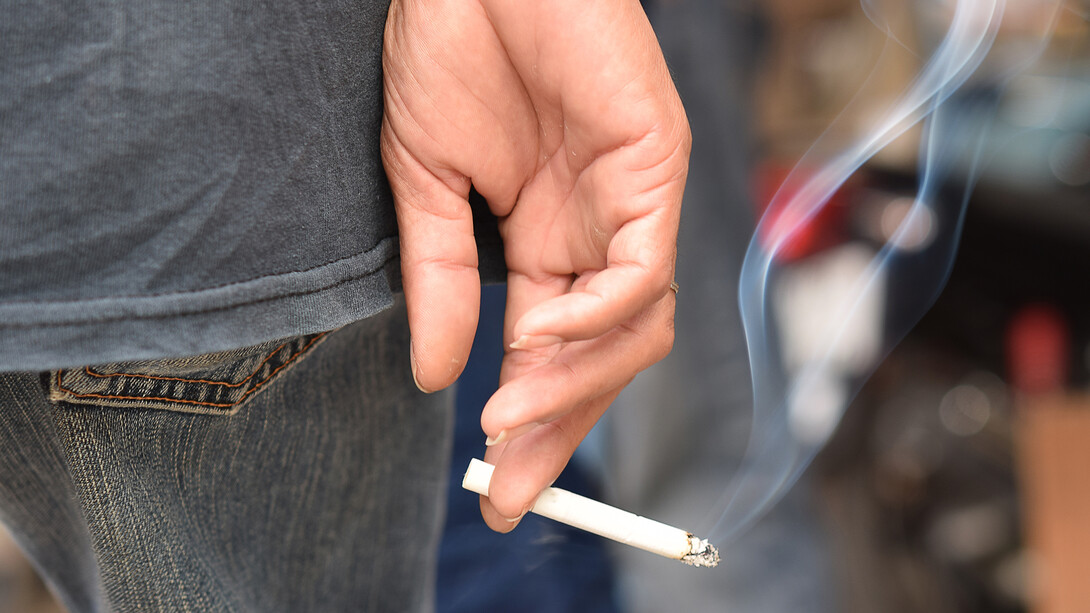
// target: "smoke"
[[816, 328]]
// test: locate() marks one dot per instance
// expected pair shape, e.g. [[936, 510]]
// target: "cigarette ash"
[[701, 553]]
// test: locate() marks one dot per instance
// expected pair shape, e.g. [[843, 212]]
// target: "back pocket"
[[214, 383]]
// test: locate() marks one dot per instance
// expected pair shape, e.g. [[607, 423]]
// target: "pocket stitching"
[[246, 394], [88, 371]]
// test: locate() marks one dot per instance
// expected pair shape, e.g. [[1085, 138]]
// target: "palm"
[[563, 117]]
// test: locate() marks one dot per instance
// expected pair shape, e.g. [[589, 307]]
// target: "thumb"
[[438, 263]]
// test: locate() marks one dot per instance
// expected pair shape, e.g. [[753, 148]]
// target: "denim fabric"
[[300, 475], [215, 383]]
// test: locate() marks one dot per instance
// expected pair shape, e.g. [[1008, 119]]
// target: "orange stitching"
[[87, 369], [200, 402]]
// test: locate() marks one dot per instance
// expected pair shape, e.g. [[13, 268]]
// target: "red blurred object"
[[1038, 346], [804, 237]]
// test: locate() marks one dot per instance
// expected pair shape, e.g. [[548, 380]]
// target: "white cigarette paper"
[[601, 519]]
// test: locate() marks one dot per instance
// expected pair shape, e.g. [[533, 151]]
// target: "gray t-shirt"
[[179, 177]]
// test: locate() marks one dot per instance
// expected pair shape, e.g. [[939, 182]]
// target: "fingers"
[[607, 299], [526, 466], [542, 387], [552, 397], [438, 264], [625, 255]]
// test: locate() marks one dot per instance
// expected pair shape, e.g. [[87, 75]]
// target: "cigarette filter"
[[601, 519]]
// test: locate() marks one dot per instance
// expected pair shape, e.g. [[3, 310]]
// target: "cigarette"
[[601, 519]]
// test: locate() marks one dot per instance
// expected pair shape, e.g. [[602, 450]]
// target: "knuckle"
[[664, 341], [662, 334], [662, 276], [686, 136]]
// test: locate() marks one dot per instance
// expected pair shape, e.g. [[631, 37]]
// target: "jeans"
[[298, 475]]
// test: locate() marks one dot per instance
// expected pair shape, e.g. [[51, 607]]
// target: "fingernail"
[[412, 365], [529, 341], [506, 435], [515, 520]]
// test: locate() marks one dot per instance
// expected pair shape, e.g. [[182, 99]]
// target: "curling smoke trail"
[[799, 400]]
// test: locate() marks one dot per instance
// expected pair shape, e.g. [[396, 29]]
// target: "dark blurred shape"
[[541, 566], [674, 438]]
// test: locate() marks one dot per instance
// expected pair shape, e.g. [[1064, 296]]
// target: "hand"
[[562, 114]]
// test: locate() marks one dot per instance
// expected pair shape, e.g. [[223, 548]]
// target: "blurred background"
[[957, 481]]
